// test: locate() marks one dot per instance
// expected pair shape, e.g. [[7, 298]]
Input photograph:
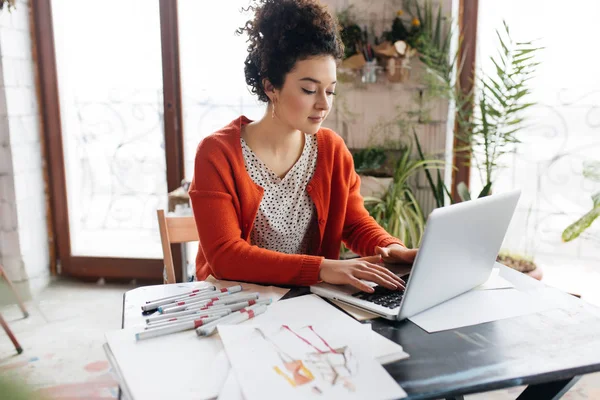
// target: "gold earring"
[[273, 107]]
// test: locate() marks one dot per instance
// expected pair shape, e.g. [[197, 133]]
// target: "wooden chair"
[[12, 288], [10, 335], [174, 230], [21, 306]]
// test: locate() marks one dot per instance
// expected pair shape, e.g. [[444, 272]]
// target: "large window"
[[563, 128], [139, 84], [212, 70], [109, 71], [213, 85]]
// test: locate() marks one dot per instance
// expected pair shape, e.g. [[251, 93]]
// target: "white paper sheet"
[[479, 306], [311, 309], [297, 363], [266, 292], [177, 366], [357, 313], [146, 365], [386, 350], [231, 390], [495, 281]]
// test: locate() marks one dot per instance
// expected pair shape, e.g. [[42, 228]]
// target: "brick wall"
[[23, 229]]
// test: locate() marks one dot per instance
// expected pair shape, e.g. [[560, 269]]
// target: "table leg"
[[551, 390]]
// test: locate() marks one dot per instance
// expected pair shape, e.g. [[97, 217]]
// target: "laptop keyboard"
[[383, 296]]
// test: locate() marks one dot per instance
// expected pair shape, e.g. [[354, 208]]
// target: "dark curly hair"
[[284, 32]]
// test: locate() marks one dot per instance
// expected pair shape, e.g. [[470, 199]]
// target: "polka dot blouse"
[[286, 215]]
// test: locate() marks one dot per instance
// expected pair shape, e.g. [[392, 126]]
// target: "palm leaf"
[[504, 48], [463, 191], [438, 28], [486, 190], [447, 192], [500, 102]]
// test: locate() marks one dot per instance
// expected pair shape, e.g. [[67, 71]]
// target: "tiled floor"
[[62, 340]]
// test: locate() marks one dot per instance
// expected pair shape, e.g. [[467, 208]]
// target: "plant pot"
[[520, 264], [516, 263], [372, 186]]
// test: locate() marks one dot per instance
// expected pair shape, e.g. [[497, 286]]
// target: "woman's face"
[[306, 97]]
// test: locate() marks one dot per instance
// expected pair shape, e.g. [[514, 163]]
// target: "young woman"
[[273, 199]]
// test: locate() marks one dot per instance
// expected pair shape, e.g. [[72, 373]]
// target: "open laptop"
[[458, 251]]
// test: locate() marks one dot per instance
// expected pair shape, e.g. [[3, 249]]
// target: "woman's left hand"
[[396, 254]]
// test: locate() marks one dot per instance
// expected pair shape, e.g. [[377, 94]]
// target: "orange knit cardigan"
[[225, 201]]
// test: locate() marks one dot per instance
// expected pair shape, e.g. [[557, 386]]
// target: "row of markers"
[[201, 309]]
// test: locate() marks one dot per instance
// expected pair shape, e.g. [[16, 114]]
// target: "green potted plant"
[[492, 128], [398, 210], [375, 175], [372, 166], [440, 192], [498, 119], [431, 36], [350, 32]]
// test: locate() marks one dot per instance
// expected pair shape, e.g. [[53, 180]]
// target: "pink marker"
[[186, 318], [184, 326], [201, 301], [211, 287], [224, 300], [229, 308], [205, 310], [165, 317], [151, 305], [234, 318], [214, 303]]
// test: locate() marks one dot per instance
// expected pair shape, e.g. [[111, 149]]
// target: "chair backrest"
[[174, 230]]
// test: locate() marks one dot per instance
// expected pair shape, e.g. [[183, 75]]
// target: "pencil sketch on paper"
[[318, 365]]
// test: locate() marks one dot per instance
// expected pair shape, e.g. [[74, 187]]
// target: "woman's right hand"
[[343, 272]]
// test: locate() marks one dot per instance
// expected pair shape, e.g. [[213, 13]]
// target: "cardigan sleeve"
[[213, 196], [361, 232]]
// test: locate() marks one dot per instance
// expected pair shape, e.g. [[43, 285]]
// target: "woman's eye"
[[314, 91]]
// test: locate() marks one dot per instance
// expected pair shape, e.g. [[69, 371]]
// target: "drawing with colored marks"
[[333, 366], [299, 362]]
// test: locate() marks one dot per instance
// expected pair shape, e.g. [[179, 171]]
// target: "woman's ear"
[[268, 88]]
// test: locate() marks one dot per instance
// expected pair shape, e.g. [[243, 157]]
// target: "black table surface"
[[557, 344]]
